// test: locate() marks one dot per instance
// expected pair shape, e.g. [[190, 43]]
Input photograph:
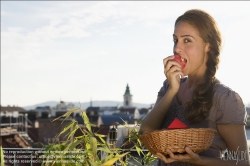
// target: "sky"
[[82, 50]]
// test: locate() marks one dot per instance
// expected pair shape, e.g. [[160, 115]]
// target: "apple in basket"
[[177, 124], [176, 137]]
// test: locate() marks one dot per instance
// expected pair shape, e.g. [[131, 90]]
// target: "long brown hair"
[[198, 107]]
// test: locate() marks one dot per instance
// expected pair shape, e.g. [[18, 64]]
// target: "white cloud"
[[3, 13], [108, 33], [58, 39], [18, 45]]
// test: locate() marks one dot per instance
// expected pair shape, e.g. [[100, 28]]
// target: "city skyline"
[[80, 50]]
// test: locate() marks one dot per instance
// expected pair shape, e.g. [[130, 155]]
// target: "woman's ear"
[[207, 47]]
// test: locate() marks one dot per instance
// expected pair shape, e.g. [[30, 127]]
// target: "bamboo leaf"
[[107, 150], [102, 140], [2, 155], [100, 135], [94, 164], [66, 114], [139, 141], [71, 164], [138, 150], [86, 121], [93, 144], [124, 122], [80, 137], [88, 146], [107, 158], [66, 128], [73, 145], [71, 133], [113, 160]]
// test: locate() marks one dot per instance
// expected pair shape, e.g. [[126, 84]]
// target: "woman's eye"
[[186, 40], [175, 41]]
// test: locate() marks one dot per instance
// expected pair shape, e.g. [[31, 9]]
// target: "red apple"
[[177, 124], [182, 61]]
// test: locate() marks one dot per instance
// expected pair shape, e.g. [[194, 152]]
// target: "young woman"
[[196, 97]]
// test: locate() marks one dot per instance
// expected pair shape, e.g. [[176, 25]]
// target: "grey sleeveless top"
[[227, 108]]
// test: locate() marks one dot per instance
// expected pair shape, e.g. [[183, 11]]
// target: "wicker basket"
[[198, 139]]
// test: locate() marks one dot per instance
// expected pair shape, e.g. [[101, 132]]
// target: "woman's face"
[[191, 47]]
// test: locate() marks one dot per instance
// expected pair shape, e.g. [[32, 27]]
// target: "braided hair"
[[198, 107]]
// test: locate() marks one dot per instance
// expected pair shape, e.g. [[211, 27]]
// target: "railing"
[[17, 123], [28, 121]]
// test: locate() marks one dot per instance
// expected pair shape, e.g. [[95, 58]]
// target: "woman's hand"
[[172, 71], [189, 157]]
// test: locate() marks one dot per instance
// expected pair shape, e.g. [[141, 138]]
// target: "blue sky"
[[74, 51]]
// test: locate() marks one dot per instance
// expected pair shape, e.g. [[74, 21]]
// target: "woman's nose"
[[177, 48]]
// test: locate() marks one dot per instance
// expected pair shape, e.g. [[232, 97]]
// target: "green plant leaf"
[[95, 163], [124, 122], [107, 158], [103, 141], [2, 155], [87, 146], [86, 121], [66, 115], [100, 135], [72, 146], [114, 159], [138, 150], [88, 151], [66, 128], [93, 144], [71, 133], [107, 150]]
